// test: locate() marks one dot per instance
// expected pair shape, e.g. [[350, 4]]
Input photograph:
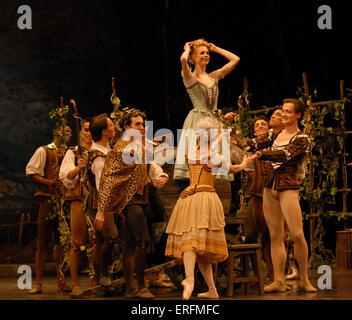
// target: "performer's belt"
[[196, 188]]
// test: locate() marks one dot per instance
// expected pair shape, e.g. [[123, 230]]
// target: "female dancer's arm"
[[218, 160], [186, 71], [228, 67], [235, 168]]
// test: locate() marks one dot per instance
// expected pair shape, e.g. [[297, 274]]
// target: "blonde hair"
[[196, 44]]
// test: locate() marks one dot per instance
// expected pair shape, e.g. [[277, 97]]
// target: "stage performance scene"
[[175, 151]]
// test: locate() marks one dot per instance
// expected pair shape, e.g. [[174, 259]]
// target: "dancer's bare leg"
[[189, 261], [128, 269], [78, 235], [291, 209], [267, 260], [294, 275], [40, 258], [44, 237], [275, 221], [207, 273]]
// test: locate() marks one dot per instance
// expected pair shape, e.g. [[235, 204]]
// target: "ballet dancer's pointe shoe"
[[276, 286], [307, 286], [187, 285], [210, 294]]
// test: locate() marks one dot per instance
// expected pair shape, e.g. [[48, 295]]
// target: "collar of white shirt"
[[98, 147], [51, 145]]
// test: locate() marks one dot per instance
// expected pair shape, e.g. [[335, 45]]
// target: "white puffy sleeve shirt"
[[68, 164]]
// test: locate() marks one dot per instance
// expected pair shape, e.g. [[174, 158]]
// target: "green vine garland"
[[326, 126]]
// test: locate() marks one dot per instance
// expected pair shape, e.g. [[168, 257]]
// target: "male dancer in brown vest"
[[256, 224], [102, 130], [72, 165], [43, 169]]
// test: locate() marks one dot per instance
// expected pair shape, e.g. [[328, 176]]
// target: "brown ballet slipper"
[[307, 286], [276, 286], [187, 288], [76, 293], [36, 290], [210, 294]]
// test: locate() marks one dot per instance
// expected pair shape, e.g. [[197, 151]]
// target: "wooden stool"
[[245, 250]]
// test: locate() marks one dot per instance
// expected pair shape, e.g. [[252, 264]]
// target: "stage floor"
[[341, 290]]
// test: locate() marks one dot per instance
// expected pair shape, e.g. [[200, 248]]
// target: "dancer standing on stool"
[[202, 88], [281, 187]]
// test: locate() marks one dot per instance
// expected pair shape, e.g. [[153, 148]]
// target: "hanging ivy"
[[326, 126], [61, 210]]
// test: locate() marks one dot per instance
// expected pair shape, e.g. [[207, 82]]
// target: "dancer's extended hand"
[[230, 116], [256, 155], [160, 182], [246, 161], [99, 220]]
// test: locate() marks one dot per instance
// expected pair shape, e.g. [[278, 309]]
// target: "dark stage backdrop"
[[76, 46]]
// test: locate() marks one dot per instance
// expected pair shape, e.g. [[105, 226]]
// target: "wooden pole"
[[20, 233], [325, 103], [342, 95], [245, 86], [311, 206], [311, 173], [61, 102], [305, 84], [343, 160], [29, 228], [260, 110], [113, 86]]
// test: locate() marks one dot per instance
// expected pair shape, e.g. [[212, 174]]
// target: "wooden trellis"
[[345, 190]]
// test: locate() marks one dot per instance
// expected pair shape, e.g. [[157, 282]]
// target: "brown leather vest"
[[93, 198], [51, 171], [76, 192], [257, 185]]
